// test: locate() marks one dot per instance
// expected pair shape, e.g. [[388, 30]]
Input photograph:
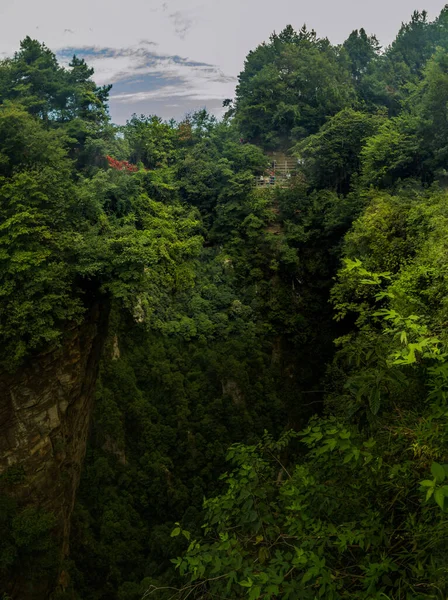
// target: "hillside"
[[213, 388]]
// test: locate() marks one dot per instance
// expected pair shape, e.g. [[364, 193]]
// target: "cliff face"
[[45, 411]]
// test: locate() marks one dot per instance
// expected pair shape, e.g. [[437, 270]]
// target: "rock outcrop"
[[45, 410]]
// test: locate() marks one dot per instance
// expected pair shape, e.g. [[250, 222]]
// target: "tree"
[[331, 157], [321, 526], [289, 87], [151, 141], [361, 49]]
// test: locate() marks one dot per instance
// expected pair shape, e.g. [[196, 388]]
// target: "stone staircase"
[[280, 170]]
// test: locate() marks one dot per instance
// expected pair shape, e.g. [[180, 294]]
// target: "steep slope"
[[44, 423]]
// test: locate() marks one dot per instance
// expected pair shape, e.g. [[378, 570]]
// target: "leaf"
[[263, 555], [272, 589], [352, 264], [348, 458], [255, 592], [427, 483], [438, 471], [308, 575], [370, 443], [175, 532], [439, 497], [247, 583], [375, 401]]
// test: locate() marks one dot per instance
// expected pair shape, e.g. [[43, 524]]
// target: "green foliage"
[[394, 153], [152, 141], [238, 310], [362, 49], [290, 86], [35, 79], [435, 488], [64, 237], [27, 548], [331, 157], [322, 528]]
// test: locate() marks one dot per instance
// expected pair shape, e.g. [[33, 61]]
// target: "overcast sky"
[[168, 57]]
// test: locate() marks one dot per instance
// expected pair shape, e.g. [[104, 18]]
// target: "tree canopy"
[[270, 418]]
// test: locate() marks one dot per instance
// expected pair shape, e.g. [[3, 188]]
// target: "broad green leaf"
[[438, 471], [348, 458], [427, 483], [439, 497], [255, 592]]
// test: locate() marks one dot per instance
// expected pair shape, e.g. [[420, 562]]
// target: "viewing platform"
[[282, 167]]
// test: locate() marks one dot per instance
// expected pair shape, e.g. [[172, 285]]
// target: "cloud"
[[170, 91], [207, 31], [148, 43], [141, 75], [115, 64], [182, 23]]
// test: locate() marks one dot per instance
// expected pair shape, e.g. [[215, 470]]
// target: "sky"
[[169, 57]]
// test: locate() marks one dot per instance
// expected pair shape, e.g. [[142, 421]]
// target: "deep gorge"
[[219, 380]]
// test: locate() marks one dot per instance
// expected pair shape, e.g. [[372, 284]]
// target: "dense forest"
[[271, 410]]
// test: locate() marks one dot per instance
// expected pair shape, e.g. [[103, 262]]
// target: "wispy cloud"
[[182, 23], [115, 64], [167, 92], [139, 74], [148, 43]]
